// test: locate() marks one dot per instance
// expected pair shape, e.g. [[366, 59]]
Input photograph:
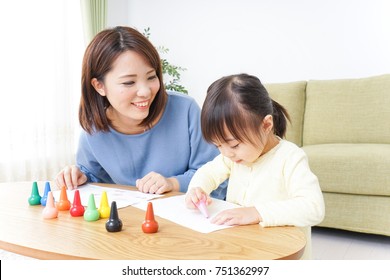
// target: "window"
[[41, 55]]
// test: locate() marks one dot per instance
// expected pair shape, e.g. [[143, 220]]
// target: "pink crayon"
[[50, 211], [202, 207]]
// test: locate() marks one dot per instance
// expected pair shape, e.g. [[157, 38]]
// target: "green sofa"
[[344, 127]]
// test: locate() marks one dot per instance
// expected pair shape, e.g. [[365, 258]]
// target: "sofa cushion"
[[292, 97], [361, 213], [347, 111], [351, 168]]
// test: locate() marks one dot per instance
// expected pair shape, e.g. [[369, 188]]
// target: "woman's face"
[[130, 87]]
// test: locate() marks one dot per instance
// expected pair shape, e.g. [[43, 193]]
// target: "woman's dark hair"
[[98, 59], [239, 103]]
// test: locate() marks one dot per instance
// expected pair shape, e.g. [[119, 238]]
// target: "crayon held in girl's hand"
[[201, 204]]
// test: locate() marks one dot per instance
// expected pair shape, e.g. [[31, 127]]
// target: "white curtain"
[[94, 17], [40, 57]]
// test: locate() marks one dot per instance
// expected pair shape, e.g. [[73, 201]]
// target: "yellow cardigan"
[[279, 184]]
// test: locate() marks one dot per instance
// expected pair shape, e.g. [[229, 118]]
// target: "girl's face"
[[239, 152], [130, 87], [247, 152]]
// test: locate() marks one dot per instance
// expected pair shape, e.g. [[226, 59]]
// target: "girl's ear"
[[99, 86], [268, 123]]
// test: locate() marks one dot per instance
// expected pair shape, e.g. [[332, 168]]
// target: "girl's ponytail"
[[280, 117]]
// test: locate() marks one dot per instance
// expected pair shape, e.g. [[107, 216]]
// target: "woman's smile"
[[141, 105]]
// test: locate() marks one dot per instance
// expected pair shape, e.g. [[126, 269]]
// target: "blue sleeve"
[[201, 151], [86, 161]]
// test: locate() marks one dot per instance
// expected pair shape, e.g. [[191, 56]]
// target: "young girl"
[[268, 176]]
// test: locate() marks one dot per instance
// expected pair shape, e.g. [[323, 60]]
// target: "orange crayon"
[[63, 204], [150, 225]]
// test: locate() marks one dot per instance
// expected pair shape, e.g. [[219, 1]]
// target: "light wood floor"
[[327, 244], [332, 244]]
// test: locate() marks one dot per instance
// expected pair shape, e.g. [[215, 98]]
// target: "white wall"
[[277, 40], [117, 11]]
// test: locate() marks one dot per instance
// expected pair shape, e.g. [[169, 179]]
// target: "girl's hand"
[[70, 177], [237, 216], [156, 183], [194, 195]]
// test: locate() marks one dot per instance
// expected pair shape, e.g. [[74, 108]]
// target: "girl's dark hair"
[[98, 59], [239, 103]]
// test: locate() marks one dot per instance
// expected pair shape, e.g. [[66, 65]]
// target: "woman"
[[134, 132]]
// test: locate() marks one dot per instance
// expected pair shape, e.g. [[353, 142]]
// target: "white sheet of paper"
[[122, 197], [174, 209]]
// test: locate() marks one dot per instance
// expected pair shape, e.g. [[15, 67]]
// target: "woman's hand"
[[237, 216], [70, 177], [156, 183], [194, 195]]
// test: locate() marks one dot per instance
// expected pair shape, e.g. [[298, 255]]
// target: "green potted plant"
[[171, 72]]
